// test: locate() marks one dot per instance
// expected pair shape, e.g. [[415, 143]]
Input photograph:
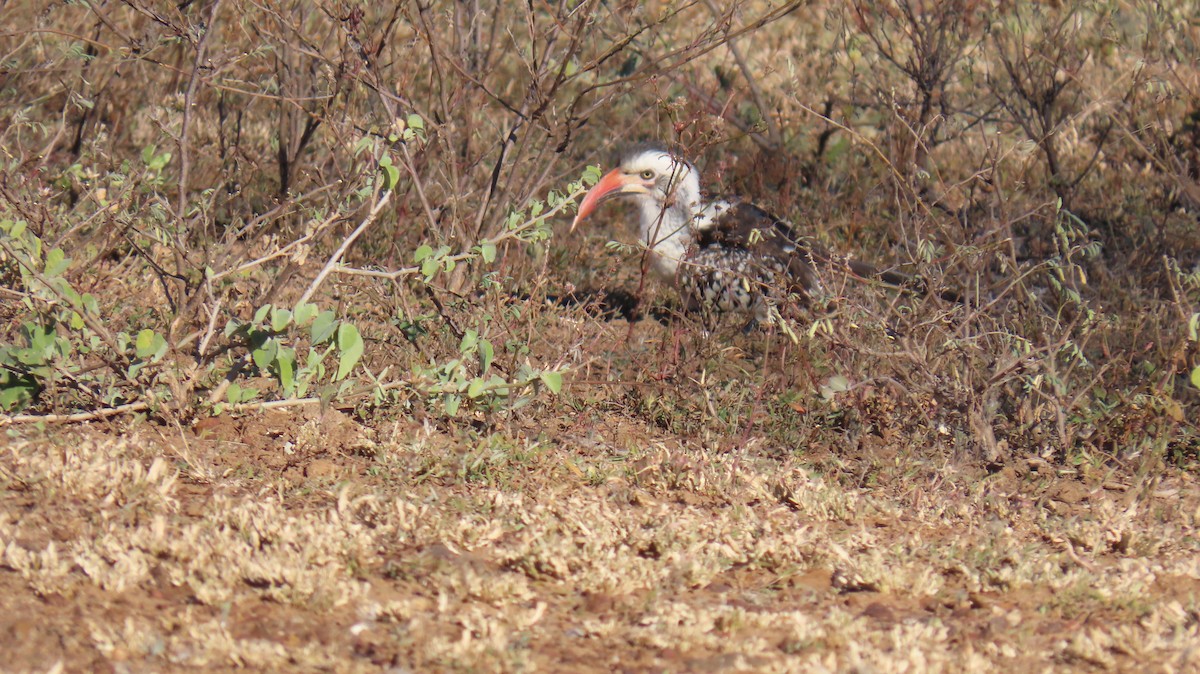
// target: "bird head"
[[648, 173]]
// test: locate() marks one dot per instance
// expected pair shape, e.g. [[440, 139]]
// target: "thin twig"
[[467, 254], [776, 141], [286, 250], [139, 406], [188, 98], [337, 255]]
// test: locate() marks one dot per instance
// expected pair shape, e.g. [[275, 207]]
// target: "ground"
[[312, 539]]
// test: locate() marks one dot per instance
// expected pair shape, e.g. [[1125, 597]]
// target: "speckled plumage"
[[728, 280], [726, 255], [742, 257]]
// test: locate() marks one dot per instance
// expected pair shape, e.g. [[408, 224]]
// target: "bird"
[[726, 254]]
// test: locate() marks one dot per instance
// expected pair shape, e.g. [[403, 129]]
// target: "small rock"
[[879, 612]]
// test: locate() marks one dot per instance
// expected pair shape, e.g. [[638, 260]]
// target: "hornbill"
[[726, 254]]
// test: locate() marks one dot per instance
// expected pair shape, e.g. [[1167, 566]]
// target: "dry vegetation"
[[300, 369]]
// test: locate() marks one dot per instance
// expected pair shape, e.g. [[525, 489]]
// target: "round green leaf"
[[323, 326], [553, 381], [304, 313], [56, 262], [280, 319], [145, 344], [476, 387], [265, 354], [487, 251]]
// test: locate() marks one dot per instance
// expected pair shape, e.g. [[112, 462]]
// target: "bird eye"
[[647, 174]]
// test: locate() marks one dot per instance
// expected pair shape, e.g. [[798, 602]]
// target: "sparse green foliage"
[[275, 336]]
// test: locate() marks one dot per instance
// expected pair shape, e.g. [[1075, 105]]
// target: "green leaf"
[[285, 360], [16, 397], [40, 337], [429, 268], [487, 251], [304, 313], [265, 355], [1194, 327], [423, 251], [469, 340], [261, 314], [475, 388], [838, 383], [553, 381], [323, 326], [280, 319], [1196, 376], [237, 394], [415, 122], [497, 384], [451, 401], [159, 162], [362, 144], [145, 346], [486, 354], [591, 175], [148, 153], [315, 360], [56, 262], [391, 176], [350, 344], [65, 288]]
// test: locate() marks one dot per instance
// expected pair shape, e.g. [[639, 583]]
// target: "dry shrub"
[[198, 162]]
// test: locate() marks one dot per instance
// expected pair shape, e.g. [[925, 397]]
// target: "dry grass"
[[580, 555], [915, 485]]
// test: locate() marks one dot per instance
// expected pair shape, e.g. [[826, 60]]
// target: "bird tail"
[[914, 284]]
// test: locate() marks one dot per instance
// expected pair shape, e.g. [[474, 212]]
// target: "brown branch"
[[6, 420]]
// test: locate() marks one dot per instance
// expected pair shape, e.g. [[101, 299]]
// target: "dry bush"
[[265, 133], [196, 163]]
